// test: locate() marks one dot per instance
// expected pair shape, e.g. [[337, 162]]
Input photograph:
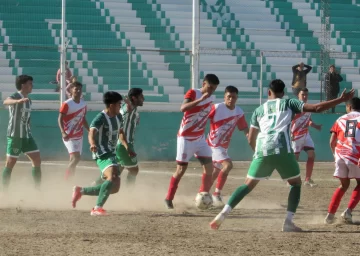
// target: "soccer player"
[[72, 122], [103, 136], [269, 137], [19, 137], [345, 145], [191, 140], [126, 155], [224, 118], [301, 139]]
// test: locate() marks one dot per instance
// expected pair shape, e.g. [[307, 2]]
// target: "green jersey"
[[108, 133], [19, 118], [131, 120], [273, 119]]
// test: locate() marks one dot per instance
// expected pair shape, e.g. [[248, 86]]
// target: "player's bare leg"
[[36, 167], [221, 179], [6, 174], [309, 168], [174, 182], [74, 160], [336, 199]]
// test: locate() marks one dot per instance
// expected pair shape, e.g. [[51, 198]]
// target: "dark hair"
[[76, 84], [22, 79], [211, 79], [332, 66], [354, 103], [231, 89], [303, 90], [277, 86], [111, 97], [134, 92]]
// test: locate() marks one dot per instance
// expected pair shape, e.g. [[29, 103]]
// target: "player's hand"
[[23, 100], [93, 148], [205, 96], [131, 153], [345, 96], [318, 127], [65, 136]]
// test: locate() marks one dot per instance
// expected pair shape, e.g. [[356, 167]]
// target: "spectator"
[[299, 77], [68, 74], [332, 84]]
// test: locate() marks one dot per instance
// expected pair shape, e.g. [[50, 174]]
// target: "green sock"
[[36, 173], [294, 198], [6, 175], [91, 191], [104, 193], [238, 195]]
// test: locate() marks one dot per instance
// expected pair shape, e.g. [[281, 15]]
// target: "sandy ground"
[[43, 223]]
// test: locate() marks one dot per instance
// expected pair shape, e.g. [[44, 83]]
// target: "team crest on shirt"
[[16, 150], [184, 156]]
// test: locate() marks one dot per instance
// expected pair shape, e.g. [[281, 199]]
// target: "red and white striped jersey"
[[73, 120], [223, 122], [193, 123], [347, 129], [300, 125]]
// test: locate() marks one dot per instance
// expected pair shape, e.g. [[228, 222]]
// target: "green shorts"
[[286, 165], [123, 156], [105, 161], [15, 146]]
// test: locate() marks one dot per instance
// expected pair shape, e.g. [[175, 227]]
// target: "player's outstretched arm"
[[188, 104], [253, 133], [11, 101], [333, 140], [322, 106]]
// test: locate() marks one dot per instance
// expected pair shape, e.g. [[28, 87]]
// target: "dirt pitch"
[[44, 223]]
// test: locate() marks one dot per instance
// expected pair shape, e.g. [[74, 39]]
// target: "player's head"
[[24, 83], [73, 79], [276, 89], [210, 83], [303, 94], [231, 96], [353, 105], [76, 89], [136, 96], [112, 101]]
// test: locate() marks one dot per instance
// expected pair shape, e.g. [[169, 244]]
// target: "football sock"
[[215, 174], [227, 209], [6, 175], [206, 182], [36, 173], [309, 168], [294, 198], [174, 182], [238, 195], [105, 191], [91, 191], [355, 197], [290, 216], [335, 200], [220, 182]]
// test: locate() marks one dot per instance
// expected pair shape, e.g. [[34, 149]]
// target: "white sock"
[[227, 209], [348, 210], [97, 207], [218, 191], [290, 216]]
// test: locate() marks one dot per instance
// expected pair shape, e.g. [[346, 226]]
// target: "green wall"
[[156, 136]]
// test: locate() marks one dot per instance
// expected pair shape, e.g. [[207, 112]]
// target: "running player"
[[269, 137], [19, 137], [224, 118], [191, 140], [71, 123], [345, 145], [103, 136], [301, 139], [126, 155]]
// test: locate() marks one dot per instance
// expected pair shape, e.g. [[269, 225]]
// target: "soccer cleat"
[[217, 201], [98, 212], [76, 195], [310, 183], [347, 217], [217, 221], [169, 204], [330, 218], [289, 226]]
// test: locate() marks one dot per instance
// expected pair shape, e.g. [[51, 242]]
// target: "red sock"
[[309, 168], [355, 198], [215, 174], [221, 181], [206, 183], [335, 200], [172, 188], [67, 174]]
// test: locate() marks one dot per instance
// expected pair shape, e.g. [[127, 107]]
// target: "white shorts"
[[74, 145], [187, 148], [219, 155], [305, 143], [344, 170]]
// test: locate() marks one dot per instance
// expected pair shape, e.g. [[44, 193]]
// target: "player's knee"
[[10, 162], [205, 160], [180, 170], [228, 165], [74, 159], [35, 159]]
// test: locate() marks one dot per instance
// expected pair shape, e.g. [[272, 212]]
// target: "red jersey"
[[73, 121], [193, 123], [300, 125], [223, 122], [348, 137]]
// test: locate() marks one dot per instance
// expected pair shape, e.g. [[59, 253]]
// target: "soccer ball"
[[203, 200]]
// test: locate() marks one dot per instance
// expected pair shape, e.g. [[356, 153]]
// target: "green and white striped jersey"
[[108, 133], [19, 118], [131, 120], [273, 119]]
